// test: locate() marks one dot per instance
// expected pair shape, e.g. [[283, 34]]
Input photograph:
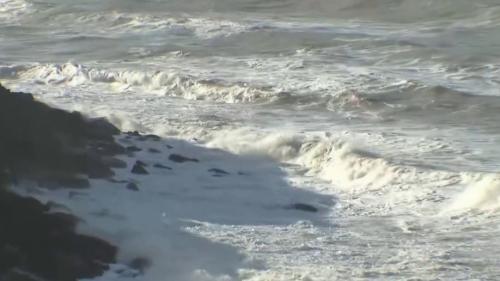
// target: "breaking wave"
[[157, 82], [331, 159], [482, 193]]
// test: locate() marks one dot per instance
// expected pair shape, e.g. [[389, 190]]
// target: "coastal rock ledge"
[[55, 149]]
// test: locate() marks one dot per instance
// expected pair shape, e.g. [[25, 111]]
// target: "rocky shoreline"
[[60, 170], [54, 149]]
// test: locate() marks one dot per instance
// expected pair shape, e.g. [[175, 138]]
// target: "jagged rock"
[[139, 169], [161, 166], [303, 207], [55, 148], [45, 244], [181, 159], [40, 140]]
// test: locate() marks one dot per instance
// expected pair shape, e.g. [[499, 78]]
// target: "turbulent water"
[[391, 107]]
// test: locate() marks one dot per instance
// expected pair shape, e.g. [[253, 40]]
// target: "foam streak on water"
[[382, 113]]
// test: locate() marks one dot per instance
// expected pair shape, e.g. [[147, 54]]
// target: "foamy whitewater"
[[383, 114]]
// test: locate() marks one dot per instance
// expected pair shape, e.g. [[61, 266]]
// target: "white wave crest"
[[482, 193], [157, 82], [331, 159]]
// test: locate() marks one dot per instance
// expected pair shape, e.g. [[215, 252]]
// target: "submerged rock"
[[161, 166], [153, 150], [117, 181], [151, 137], [302, 207], [133, 148], [140, 264], [139, 168], [181, 159], [132, 186], [218, 171]]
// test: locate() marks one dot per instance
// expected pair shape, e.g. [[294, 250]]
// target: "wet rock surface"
[[161, 166], [55, 149], [39, 141], [218, 172], [35, 240], [181, 159], [302, 207], [139, 168], [132, 186]]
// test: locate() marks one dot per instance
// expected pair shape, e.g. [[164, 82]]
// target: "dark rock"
[[46, 245], [37, 139], [139, 169], [117, 181], [94, 166], [140, 264], [152, 137], [139, 162], [169, 146], [154, 150], [218, 172], [16, 275], [55, 148], [64, 181], [133, 134], [132, 186], [73, 194], [114, 162], [181, 159], [303, 207], [161, 166], [133, 148], [107, 148]]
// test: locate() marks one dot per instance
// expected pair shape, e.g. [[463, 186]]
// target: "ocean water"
[[383, 113]]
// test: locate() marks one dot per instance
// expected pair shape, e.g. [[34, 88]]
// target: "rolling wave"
[[156, 82]]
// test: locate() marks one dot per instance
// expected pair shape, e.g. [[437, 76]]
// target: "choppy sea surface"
[[390, 108]]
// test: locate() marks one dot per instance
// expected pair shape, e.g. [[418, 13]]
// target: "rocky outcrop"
[[54, 148]]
